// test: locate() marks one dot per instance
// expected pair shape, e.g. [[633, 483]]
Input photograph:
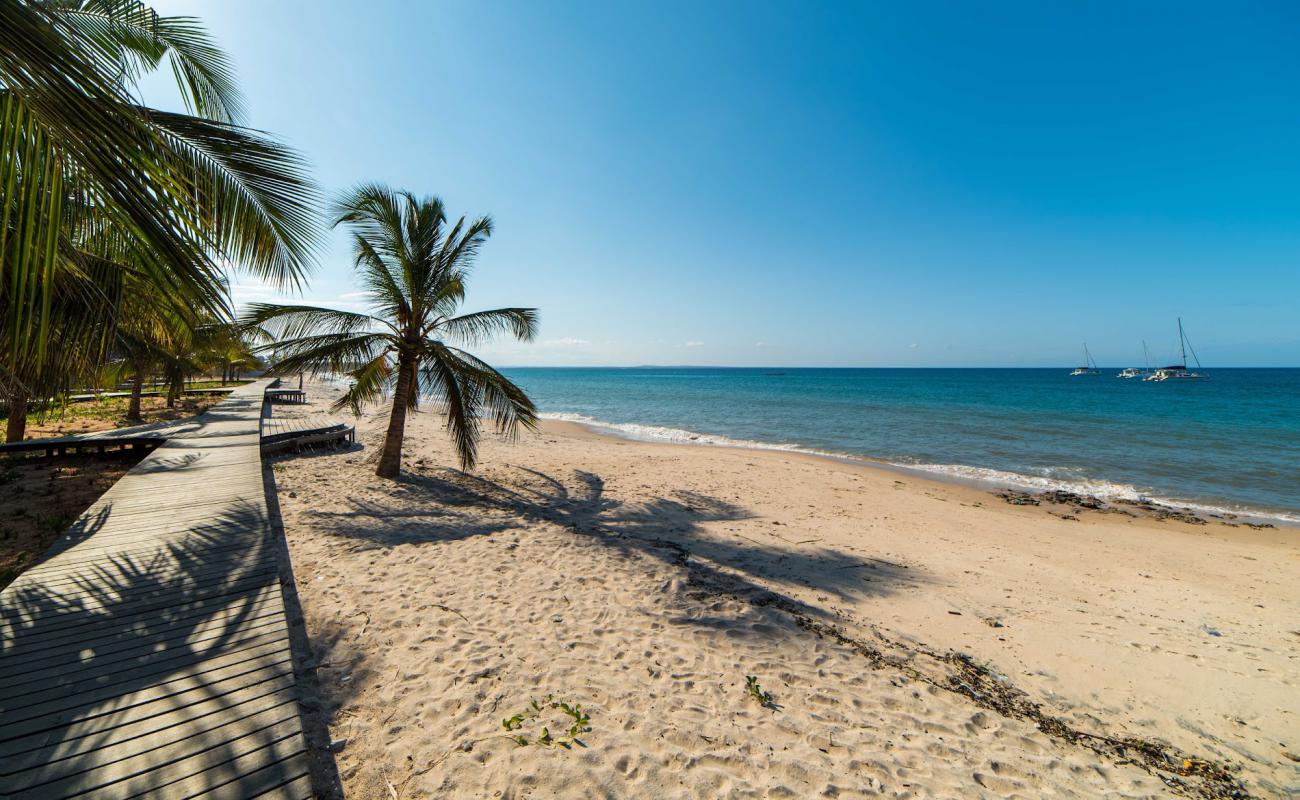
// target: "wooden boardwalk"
[[147, 653]]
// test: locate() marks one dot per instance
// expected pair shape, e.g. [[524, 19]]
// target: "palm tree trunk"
[[390, 460], [133, 410], [17, 427]]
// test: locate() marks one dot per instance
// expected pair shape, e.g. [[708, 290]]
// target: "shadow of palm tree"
[[164, 656], [447, 505]]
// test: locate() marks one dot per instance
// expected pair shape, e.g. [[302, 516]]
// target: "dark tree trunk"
[[17, 427], [390, 460], [174, 391], [133, 410]]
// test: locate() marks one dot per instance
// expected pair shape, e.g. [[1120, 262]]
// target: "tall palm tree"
[[413, 266], [91, 180]]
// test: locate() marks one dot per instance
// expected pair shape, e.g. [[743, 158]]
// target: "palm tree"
[[92, 184], [413, 266]]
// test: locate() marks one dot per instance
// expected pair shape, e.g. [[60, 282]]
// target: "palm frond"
[[509, 406], [326, 353], [443, 377], [369, 383], [296, 321], [102, 138], [253, 196], [381, 280], [480, 326], [131, 37], [459, 252]]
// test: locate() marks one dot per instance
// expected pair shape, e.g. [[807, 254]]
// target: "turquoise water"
[[1231, 442]]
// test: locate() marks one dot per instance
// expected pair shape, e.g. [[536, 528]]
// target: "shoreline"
[[980, 478]]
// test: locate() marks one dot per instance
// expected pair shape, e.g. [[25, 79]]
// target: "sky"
[[867, 184]]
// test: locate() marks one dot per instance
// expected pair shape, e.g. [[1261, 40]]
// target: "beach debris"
[[955, 613], [993, 622], [1018, 498], [1092, 503], [1178, 516], [1211, 631], [757, 694], [1071, 499], [337, 745]]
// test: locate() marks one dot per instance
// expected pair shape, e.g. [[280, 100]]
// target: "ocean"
[[1230, 443]]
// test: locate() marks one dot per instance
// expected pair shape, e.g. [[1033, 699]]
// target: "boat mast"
[[1182, 341], [1146, 357]]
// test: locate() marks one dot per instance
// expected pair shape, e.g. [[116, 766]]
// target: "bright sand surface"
[[645, 581]]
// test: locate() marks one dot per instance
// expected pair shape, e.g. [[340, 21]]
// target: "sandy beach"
[[917, 638]]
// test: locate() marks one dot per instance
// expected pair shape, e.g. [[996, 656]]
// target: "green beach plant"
[[756, 693], [571, 716], [413, 267]]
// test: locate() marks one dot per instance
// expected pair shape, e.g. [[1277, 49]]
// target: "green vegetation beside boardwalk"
[[110, 412], [43, 496]]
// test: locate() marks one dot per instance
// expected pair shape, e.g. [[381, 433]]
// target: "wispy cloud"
[[693, 344], [567, 341]]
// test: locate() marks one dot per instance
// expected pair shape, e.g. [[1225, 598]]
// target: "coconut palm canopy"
[[414, 265], [97, 192]]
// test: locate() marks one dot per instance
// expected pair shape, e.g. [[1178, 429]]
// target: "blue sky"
[[919, 184]]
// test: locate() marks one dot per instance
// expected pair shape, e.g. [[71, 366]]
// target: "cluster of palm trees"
[[119, 226]]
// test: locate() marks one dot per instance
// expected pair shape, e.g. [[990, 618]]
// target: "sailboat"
[[1089, 366], [1179, 371], [1134, 372]]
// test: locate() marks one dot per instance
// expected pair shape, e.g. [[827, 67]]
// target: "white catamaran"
[[1134, 372], [1179, 371], [1089, 366]]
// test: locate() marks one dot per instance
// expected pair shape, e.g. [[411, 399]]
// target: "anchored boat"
[[1089, 366], [1134, 372], [1179, 372]]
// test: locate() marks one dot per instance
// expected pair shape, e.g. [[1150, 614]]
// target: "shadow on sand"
[[446, 505]]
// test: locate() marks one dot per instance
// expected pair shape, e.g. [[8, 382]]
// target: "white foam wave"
[[657, 433], [984, 476]]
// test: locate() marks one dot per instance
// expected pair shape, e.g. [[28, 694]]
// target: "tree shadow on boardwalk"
[[447, 505], [156, 661]]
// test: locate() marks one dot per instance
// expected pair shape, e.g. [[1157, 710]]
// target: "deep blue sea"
[[1231, 442]]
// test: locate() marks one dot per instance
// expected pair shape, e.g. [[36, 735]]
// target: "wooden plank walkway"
[[147, 653]]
